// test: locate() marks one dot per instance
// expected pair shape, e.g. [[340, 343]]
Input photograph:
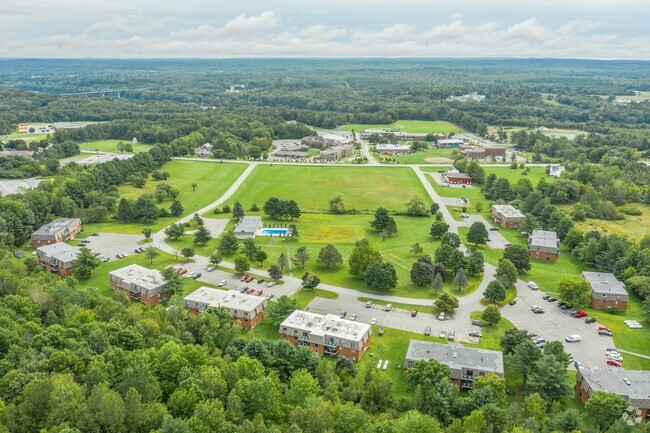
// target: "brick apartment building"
[[453, 176], [606, 291], [336, 152], [139, 283], [484, 152], [59, 230], [543, 245], [60, 258], [507, 216], [247, 310], [327, 334]]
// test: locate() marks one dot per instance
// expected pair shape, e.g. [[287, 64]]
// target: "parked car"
[[427, 330], [259, 293], [613, 349], [182, 271], [545, 297], [552, 299], [196, 275], [249, 279], [513, 302], [125, 255], [540, 342], [222, 283], [210, 268], [475, 334], [243, 278], [533, 285], [353, 317], [368, 304], [507, 245], [615, 357], [451, 335], [572, 338], [477, 323], [388, 307], [494, 229], [373, 321], [191, 274], [614, 363], [342, 314], [244, 289], [443, 334], [414, 313], [577, 365], [464, 215], [271, 284], [106, 259], [605, 333], [381, 331], [250, 291], [94, 234], [441, 316], [119, 256], [270, 296], [579, 314], [604, 328], [260, 281], [590, 320], [538, 310]]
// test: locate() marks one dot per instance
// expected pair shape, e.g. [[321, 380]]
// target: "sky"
[[600, 29]]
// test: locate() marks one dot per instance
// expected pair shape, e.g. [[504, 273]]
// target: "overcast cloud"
[[336, 28]]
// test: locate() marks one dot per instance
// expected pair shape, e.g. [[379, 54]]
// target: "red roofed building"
[[458, 178]]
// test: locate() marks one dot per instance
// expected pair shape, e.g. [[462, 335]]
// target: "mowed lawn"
[[111, 146], [428, 126], [358, 127], [363, 189], [212, 180], [421, 156]]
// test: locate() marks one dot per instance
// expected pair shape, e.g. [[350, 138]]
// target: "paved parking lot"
[[111, 244]]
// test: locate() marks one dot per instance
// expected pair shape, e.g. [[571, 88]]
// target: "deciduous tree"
[[275, 272], [447, 302], [495, 291], [491, 315], [329, 257], [519, 257], [228, 244], [242, 264], [381, 276], [574, 291], [302, 255], [438, 229], [477, 234]]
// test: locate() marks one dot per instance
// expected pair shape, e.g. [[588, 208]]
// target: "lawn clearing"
[[364, 189], [634, 227], [428, 126], [358, 127], [111, 146], [491, 335], [428, 156], [304, 297]]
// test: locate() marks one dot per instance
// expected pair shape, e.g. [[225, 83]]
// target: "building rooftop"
[[292, 153], [450, 141], [231, 299], [456, 356], [248, 224], [56, 226], [616, 380], [142, 277], [604, 283], [544, 238], [330, 325], [389, 146], [60, 251], [507, 210], [458, 175]]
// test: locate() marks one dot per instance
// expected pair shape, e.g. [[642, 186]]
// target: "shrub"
[[628, 210]]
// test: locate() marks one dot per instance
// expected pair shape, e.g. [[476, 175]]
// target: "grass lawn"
[[304, 297], [111, 146], [491, 335], [407, 307], [361, 127], [363, 189], [421, 156], [99, 278], [428, 126], [27, 138], [213, 180], [535, 174]]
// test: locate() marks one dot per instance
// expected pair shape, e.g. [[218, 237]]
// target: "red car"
[[414, 313], [182, 271], [249, 279], [579, 314], [614, 363], [604, 328], [243, 278], [259, 292], [249, 291]]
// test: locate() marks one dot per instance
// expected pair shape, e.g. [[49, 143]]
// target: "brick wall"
[[604, 304], [542, 255]]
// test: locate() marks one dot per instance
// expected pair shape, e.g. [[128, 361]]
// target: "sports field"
[[358, 127], [111, 146], [428, 126]]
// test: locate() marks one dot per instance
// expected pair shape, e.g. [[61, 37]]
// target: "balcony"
[[330, 351], [303, 338], [330, 344], [303, 344], [467, 378]]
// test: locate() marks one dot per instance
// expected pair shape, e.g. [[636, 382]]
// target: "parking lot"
[[111, 244]]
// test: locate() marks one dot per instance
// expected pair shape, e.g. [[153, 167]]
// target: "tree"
[[362, 257], [196, 218], [519, 257], [528, 223], [447, 302], [556, 348], [391, 228], [275, 272], [280, 310], [187, 252], [151, 253], [261, 256], [477, 234], [574, 291], [302, 255], [174, 231], [128, 147], [523, 358], [605, 408], [438, 229], [124, 210], [310, 281], [382, 219], [511, 339], [242, 264], [173, 281], [491, 315], [329, 257], [435, 207], [452, 258], [495, 292], [422, 271], [282, 262], [120, 146], [475, 263], [506, 272], [381, 276], [417, 207], [228, 244], [249, 249], [416, 249], [146, 232], [237, 210], [85, 263], [336, 205], [215, 258], [436, 284], [194, 186], [451, 239], [202, 235], [176, 209], [460, 279]]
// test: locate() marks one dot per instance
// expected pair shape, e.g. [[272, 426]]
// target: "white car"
[[210, 268], [373, 321], [353, 317], [270, 284], [441, 316], [572, 338], [222, 283], [388, 307], [615, 357], [533, 285], [125, 255], [191, 274]]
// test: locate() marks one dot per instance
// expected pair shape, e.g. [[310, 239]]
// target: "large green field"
[[428, 126], [357, 127], [111, 146], [363, 188], [213, 180], [421, 156]]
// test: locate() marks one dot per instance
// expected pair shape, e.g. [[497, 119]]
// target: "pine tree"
[[124, 210], [202, 235], [381, 219], [86, 263], [237, 210], [391, 228], [460, 279], [282, 262], [176, 209]]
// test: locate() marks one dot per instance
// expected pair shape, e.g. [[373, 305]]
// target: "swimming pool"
[[274, 232]]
